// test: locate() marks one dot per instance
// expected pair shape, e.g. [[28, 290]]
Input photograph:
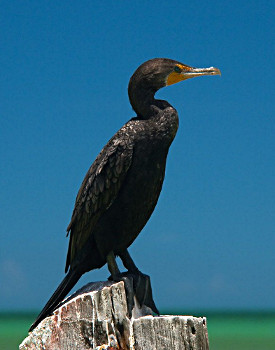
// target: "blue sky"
[[65, 68]]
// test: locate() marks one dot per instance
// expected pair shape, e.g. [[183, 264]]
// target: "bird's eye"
[[177, 69]]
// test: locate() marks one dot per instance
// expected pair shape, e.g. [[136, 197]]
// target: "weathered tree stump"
[[96, 318]]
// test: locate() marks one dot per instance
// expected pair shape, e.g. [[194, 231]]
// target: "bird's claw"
[[139, 285]]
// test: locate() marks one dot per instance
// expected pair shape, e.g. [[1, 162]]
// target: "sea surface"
[[227, 330]]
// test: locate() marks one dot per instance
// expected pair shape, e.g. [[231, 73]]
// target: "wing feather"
[[98, 191]]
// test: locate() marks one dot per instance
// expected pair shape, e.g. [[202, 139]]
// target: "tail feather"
[[62, 290]]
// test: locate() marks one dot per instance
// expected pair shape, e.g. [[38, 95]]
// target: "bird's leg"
[[117, 276], [128, 262], [112, 265], [141, 282]]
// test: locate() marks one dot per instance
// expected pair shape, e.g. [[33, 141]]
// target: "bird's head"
[[157, 73], [160, 72]]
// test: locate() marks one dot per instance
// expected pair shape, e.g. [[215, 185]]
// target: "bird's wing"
[[98, 191]]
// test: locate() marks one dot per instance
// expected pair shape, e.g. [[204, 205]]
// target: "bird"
[[121, 188]]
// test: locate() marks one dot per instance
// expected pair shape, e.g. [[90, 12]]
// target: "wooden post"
[[96, 318]]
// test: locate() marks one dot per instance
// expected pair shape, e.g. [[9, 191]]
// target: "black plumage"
[[122, 187]]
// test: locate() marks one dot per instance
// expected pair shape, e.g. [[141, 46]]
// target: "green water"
[[14, 328], [241, 332], [246, 331]]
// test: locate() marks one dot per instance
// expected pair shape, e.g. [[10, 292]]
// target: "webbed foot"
[[139, 285]]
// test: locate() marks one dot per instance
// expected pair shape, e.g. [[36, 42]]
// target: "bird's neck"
[[143, 100]]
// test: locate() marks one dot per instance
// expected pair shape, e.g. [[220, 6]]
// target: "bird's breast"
[[141, 188]]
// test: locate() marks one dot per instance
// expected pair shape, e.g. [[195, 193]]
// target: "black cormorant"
[[122, 187]]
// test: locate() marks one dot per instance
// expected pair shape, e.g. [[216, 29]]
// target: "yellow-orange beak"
[[190, 72]]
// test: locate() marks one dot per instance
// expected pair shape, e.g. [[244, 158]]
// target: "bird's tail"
[[62, 290]]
